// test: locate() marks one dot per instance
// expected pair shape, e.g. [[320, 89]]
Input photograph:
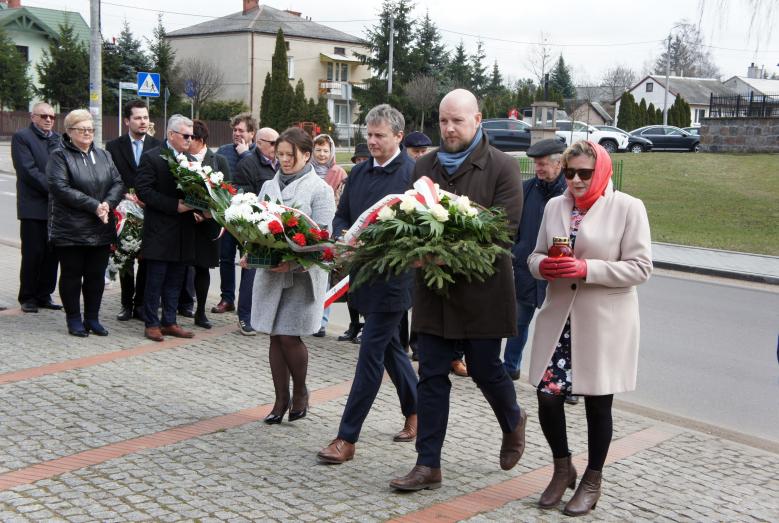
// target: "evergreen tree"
[[112, 73], [264, 100], [321, 116], [378, 36], [459, 72], [641, 114], [560, 79], [298, 109], [163, 61], [650, 114], [525, 92], [63, 71], [132, 57], [15, 86], [429, 55], [495, 86], [280, 94], [626, 116], [658, 116], [479, 79]]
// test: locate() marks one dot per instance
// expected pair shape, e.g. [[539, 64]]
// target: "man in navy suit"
[[382, 302], [126, 152]]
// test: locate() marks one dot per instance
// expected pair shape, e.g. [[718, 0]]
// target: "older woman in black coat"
[[84, 188]]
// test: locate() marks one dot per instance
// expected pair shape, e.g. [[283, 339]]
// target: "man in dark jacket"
[[253, 171], [244, 128], [126, 152], [168, 232], [531, 292], [30, 149], [475, 315], [382, 302]]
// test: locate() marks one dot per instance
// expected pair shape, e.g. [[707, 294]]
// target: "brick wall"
[[740, 135]]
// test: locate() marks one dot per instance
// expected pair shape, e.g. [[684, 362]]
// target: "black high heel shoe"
[[275, 419], [297, 414], [95, 327]]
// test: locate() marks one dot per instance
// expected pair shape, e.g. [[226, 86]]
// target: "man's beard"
[[454, 149]]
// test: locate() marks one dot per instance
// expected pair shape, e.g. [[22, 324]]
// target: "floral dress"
[[557, 379]]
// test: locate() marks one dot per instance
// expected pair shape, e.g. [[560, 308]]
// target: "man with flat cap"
[[416, 144], [547, 183]]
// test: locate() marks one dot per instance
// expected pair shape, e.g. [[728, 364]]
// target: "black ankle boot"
[[93, 325], [76, 327]]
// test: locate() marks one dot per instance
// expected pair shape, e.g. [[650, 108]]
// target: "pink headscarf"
[[600, 178]]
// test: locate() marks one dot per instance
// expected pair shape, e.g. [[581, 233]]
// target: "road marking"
[[8, 193]]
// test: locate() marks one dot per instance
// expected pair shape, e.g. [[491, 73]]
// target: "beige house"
[[241, 46]]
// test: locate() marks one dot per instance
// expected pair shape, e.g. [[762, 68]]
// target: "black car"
[[508, 134], [669, 138], [636, 144]]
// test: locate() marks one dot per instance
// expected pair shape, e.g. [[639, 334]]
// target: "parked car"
[[669, 138], [507, 134], [636, 144], [695, 131], [576, 130]]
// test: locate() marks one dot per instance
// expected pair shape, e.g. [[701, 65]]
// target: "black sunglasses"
[[46, 116], [185, 136], [584, 174], [272, 142]]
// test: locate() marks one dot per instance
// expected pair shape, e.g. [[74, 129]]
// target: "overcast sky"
[[592, 35]]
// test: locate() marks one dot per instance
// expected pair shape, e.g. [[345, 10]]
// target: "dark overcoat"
[[121, 150], [253, 171], [30, 150], [206, 232], [167, 234], [475, 310]]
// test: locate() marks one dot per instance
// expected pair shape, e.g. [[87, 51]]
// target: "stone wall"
[[740, 135]]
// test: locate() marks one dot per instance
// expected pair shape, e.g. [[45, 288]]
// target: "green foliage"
[[163, 61], [560, 80], [679, 114], [429, 54], [131, 56], [377, 39], [280, 93], [479, 79], [63, 71], [112, 66], [265, 100], [222, 110], [626, 117], [298, 109], [15, 86], [459, 70], [651, 115], [641, 114]]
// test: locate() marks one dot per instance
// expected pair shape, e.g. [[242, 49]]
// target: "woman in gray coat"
[[288, 301]]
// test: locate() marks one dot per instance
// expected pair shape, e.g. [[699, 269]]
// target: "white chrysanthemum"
[[472, 211], [386, 213], [408, 204], [216, 178], [463, 203], [196, 166], [263, 226], [254, 217], [439, 212]]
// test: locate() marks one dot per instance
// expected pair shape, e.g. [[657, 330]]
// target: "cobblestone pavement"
[[129, 430]]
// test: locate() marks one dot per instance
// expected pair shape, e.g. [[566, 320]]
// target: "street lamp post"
[[667, 86]]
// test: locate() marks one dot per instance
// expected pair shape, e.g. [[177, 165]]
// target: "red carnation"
[[275, 227], [232, 190], [291, 221], [324, 235], [327, 254], [299, 238]]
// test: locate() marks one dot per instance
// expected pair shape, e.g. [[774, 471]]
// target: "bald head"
[[459, 119], [266, 141]]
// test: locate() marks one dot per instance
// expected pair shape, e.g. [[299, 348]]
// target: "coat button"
[[573, 286]]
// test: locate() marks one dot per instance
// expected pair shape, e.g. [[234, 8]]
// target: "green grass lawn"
[[723, 201]]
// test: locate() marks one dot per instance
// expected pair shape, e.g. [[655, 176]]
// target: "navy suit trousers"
[[380, 349], [482, 356], [163, 281]]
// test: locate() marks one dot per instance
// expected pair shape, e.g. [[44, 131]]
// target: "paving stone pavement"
[[248, 471]]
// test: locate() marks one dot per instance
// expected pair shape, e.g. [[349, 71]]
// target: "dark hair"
[[298, 139], [246, 118], [200, 130], [127, 111]]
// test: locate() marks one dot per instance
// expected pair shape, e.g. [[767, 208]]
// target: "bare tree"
[[689, 56], [203, 77], [617, 80], [540, 58], [422, 92]]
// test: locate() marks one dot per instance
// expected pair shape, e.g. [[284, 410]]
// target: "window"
[[341, 114], [291, 67], [329, 71], [24, 51], [344, 72], [650, 87], [495, 125], [340, 50], [286, 44], [563, 126], [699, 114]]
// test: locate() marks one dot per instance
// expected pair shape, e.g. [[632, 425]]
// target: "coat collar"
[[565, 210], [478, 159]]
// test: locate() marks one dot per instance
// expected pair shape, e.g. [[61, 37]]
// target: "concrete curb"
[[707, 271]]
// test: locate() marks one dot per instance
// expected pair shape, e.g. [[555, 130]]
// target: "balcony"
[[338, 90]]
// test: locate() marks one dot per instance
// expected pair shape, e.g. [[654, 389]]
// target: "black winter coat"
[[252, 172], [206, 232], [30, 150], [78, 183], [167, 234], [531, 291]]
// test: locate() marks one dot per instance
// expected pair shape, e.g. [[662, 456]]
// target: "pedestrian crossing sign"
[[148, 84]]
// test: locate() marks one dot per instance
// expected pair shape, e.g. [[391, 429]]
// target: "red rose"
[[291, 221], [324, 235], [299, 238], [275, 227], [327, 254], [232, 190]]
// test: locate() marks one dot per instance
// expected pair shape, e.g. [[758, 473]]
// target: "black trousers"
[[485, 367], [379, 349], [38, 273], [133, 285], [82, 271]]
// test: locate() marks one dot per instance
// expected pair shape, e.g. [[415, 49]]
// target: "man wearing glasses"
[[30, 149], [168, 244], [253, 171]]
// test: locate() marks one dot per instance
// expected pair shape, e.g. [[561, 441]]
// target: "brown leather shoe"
[[176, 331], [459, 368], [420, 478], [337, 452], [586, 496], [409, 432], [153, 333], [513, 444], [222, 306], [564, 476]]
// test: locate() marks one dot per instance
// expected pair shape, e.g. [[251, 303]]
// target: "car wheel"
[[696, 148], [636, 148], [609, 145]]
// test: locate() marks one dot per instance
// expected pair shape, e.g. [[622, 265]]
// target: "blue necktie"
[[138, 149]]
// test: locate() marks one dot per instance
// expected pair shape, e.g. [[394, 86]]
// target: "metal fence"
[[528, 171], [749, 106]]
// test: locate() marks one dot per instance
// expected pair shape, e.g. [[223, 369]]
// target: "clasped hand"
[[564, 267], [102, 212]]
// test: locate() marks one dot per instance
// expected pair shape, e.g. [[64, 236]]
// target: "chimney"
[[14, 4], [250, 5], [752, 71], [293, 13]]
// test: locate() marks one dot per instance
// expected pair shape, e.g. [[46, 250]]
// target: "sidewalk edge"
[[709, 271]]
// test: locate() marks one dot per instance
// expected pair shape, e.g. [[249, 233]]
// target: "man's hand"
[[244, 262], [183, 207], [282, 267], [198, 217], [241, 146]]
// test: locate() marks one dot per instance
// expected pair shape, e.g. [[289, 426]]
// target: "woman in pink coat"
[[587, 331]]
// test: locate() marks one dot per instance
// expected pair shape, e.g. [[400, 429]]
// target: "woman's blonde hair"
[[76, 116], [582, 147]]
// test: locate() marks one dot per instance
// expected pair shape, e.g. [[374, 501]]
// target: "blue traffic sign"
[[148, 84], [190, 89]]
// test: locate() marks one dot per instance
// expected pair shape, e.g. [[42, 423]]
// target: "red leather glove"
[[548, 268], [568, 267]]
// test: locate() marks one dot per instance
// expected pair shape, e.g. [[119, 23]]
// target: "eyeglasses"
[[46, 116], [82, 130], [584, 174], [271, 142], [183, 135]]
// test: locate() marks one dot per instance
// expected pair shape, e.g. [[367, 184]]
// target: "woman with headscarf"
[[587, 332]]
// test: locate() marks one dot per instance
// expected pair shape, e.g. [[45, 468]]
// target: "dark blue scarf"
[[452, 161]]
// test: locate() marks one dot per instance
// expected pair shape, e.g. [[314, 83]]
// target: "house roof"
[[760, 85], [46, 21], [266, 20], [598, 108], [694, 90], [596, 93], [332, 57]]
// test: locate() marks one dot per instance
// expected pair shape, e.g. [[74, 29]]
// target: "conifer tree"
[[560, 79], [264, 100], [429, 55], [459, 72], [479, 79], [496, 81], [131, 55], [641, 114], [650, 114], [377, 38], [298, 109], [15, 86], [280, 94], [163, 61], [625, 117], [63, 71], [112, 73]]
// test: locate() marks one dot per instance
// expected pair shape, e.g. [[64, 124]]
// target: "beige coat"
[[614, 239]]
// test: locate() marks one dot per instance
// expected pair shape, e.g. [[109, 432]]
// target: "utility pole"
[[667, 86], [96, 72], [391, 52]]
